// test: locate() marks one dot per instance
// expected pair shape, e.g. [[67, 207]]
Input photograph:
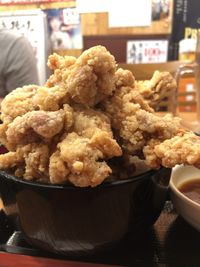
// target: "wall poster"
[[64, 28]]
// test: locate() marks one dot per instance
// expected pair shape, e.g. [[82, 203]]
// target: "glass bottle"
[[187, 99]]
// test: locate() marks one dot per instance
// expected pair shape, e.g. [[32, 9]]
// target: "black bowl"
[[83, 221]]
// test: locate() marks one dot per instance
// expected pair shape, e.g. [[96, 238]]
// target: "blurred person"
[[18, 65], [59, 39]]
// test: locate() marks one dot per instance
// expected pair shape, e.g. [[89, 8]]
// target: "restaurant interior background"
[[135, 32]]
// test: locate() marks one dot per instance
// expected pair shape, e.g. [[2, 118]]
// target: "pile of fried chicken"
[[88, 114]]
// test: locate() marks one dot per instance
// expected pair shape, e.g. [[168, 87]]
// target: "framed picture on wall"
[[64, 27]]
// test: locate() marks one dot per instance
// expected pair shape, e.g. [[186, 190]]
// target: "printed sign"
[[147, 51]]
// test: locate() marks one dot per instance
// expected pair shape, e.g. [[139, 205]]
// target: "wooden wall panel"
[[97, 24], [116, 44], [145, 71]]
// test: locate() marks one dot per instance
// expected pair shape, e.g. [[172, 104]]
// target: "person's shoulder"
[[13, 40], [9, 35], [10, 38]]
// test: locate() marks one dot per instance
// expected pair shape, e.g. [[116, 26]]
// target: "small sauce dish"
[[185, 193]]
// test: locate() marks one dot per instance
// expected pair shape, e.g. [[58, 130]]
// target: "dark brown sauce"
[[191, 189]]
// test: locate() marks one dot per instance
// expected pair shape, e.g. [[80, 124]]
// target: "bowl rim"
[[40, 185], [178, 193]]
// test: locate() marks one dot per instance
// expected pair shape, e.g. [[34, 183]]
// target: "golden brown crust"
[[161, 85], [87, 114]]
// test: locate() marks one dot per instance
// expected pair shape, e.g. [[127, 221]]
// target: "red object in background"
[[15, 260], [13, 2], [3, 150]]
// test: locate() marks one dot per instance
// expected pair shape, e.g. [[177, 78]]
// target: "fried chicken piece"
[[82, 86], [88, 121], [150, 156], [58, 170], [53, 95], [3, 137], [157, 88], [56, 61], [141, 132], [184, 148], [50, 99], [148, 126], [35, 125], [134, 121], [87, 81], [18, 102], [121, 108], [59, 64], [95, 125], [124, 78], [124, 102], [107, 145], [84, 161], [10, 159], [32, 159], [69, 117], [79, 156], [55, 92], [36, 162], [93, 72], [159, 127]]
